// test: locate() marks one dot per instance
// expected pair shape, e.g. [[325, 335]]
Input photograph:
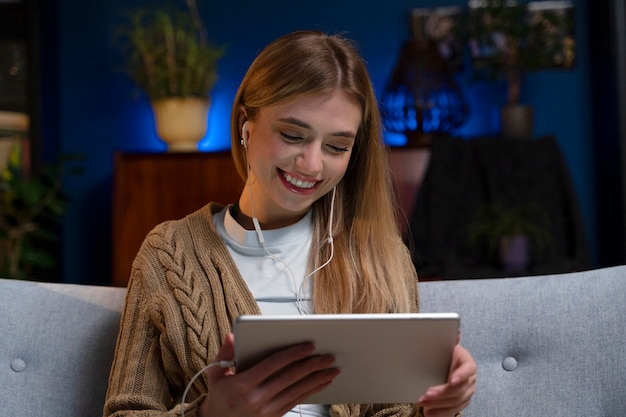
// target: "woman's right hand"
[[270, 388]]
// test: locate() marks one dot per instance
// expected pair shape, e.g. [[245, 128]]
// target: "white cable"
[[298, 289], [221, 364], [259, 233]]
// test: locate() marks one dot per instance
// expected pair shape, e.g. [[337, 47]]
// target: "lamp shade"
[[421, 98]]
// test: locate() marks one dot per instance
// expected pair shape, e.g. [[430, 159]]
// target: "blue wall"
[[100, 110]]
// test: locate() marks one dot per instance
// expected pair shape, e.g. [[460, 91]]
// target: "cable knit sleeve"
[[142, 382], [183, 294]]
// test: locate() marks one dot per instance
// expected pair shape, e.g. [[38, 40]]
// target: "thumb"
[[226, 353]]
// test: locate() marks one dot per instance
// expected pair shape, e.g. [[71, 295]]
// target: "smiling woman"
[[297, 152], [313, 231]]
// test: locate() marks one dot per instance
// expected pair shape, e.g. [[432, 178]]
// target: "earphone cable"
[[221, 364]]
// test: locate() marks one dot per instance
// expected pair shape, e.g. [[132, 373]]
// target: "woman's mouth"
[[297, 183]]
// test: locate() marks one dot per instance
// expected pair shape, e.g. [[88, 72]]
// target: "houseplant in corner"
[[511, 235], [508, 39], [170, 58], [31, 206]]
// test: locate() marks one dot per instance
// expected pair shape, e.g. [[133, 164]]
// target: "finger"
[[450, 390], [449, 397], [277, 361], [442, 412], [290, 386], [297, 393], [453, 402], [461, 374], [309, 371], [227, 351], [463, 366]]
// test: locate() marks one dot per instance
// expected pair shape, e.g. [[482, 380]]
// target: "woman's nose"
[[310, 159]]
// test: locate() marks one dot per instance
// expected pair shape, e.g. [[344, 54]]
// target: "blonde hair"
[[368, 271]]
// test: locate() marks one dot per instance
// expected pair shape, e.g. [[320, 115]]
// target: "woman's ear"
[[244, 134], [242, 118]]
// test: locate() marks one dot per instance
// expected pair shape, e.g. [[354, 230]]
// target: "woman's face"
[[298, 151]]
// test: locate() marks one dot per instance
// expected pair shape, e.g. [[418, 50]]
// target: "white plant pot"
[[181, 122]]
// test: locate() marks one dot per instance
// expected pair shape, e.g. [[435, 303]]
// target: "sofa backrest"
[[56, 347], [545, 346]]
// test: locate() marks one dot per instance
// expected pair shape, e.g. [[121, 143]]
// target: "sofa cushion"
[[56, 347], [546, 346]]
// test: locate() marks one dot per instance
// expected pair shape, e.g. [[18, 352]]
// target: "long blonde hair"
[[368, 271]]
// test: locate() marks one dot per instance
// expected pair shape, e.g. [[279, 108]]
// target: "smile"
[[296, 182]]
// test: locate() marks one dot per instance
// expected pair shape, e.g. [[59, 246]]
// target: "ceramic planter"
[[181, 122]]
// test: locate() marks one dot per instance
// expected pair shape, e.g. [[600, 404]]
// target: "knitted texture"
[[183, 295]]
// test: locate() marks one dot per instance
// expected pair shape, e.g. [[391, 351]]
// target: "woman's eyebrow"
[[294, 121], [300, 123]]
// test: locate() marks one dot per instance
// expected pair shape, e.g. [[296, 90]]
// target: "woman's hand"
[[271, 388], [448, 399]]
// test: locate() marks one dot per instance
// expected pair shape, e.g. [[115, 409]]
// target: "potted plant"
[[31, 207], [511, 235], [170, 58], [508, 39]]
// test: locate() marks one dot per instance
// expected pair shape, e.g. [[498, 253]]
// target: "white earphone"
[[244, 135]]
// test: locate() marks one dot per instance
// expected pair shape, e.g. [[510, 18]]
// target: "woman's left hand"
[[449, 399]]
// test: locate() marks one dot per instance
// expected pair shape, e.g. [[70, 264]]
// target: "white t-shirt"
[[275, 279], [274, 274]]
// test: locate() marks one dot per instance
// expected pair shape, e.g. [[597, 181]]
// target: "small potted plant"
[[170, 58], [31, 208], [508, 39], [511, 235]]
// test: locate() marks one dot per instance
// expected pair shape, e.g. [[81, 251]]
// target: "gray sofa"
[[545, 346]]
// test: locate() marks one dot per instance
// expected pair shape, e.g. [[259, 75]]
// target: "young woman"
[[314, 231]]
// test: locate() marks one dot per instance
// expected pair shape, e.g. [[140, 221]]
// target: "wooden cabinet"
[[150, 188]]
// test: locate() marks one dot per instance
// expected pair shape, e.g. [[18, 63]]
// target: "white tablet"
[[383, 358]]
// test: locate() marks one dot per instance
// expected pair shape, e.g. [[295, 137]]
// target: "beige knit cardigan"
[[183, 294]]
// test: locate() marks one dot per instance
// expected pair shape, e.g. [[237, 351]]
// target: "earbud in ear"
[[244, 135]]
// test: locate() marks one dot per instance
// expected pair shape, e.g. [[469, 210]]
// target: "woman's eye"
[[290, 138], [338, 149]]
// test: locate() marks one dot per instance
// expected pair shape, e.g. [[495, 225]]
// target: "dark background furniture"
[[466, 175], [153, 187]]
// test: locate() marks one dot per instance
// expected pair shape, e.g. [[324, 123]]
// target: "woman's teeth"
[[297, 182]]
